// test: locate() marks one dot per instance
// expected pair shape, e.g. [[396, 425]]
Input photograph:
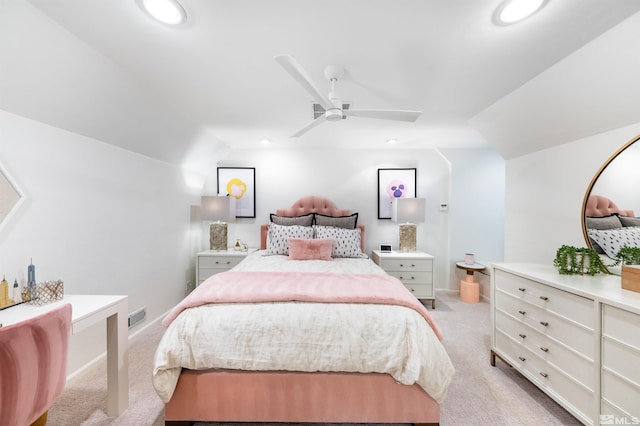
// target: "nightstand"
[[413, 268], [211, 262]]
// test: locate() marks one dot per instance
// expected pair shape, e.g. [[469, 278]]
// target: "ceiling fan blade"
[[397, 115], [300, 75], [309, 126]]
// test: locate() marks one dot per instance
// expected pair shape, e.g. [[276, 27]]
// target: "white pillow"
[[612, 240], [278, 237], [346, 242]]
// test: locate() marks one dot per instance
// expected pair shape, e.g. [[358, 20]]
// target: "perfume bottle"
[[17, 297]]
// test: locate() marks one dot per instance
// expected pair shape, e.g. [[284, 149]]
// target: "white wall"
[[476, 210], [101, 219], [545, 192], [349, 178]]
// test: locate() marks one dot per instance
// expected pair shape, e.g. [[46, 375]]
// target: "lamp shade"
[[408, 210], [218, 208]]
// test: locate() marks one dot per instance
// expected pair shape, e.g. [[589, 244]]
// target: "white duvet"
[[304, 337]]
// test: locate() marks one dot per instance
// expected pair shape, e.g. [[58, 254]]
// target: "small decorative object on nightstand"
[[211, 262], [414, 269], [408, 212]]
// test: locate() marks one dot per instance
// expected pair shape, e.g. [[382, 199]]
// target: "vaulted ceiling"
[[214, 80]]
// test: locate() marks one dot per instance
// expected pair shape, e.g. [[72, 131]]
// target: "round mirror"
[[612, 201]]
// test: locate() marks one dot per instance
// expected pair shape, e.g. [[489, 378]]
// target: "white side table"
[[413, 268], [211, 262]]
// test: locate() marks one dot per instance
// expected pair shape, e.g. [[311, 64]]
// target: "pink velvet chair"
[[33, 366]]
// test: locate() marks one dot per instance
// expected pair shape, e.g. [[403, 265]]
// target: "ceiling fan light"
[[512, 11], [333, 114], [168, 12]]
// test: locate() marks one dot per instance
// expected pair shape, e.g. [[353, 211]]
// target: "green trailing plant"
[[571, 260], [628, 256]]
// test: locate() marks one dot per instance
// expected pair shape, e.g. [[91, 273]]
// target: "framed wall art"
[[394, 183], [239, 182]]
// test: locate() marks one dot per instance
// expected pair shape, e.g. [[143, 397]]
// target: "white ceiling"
[[444, 57]]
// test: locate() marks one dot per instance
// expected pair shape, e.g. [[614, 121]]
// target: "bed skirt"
[[281, 396]]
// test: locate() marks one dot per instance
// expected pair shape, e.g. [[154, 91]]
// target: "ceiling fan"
[[332, 104]]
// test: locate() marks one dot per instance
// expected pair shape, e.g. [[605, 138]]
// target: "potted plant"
[[571, 260]]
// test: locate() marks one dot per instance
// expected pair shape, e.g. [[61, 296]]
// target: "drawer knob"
[[521, 358], [544, 374], [524, 336], [546, 324], [543, 349], [522, 312], [545, 298], [522, 289]]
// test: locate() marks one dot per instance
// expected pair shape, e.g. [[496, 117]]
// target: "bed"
[[320, 334]]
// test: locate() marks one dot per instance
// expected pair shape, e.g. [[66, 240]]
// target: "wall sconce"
[[408, 212], [219, 209]]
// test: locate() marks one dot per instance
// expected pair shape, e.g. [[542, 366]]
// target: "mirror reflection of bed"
[[609, 228]]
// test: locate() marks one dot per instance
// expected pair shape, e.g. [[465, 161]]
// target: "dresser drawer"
[[606, 409], [546, 376], [412, 277], [571, 306], [573, 335], [621, 393], [572, 363], [621, 325], [622, 359]]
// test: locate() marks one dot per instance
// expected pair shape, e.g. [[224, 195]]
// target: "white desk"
[[88, 310]]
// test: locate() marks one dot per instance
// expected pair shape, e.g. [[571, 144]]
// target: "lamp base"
[[408, 237], [218, 236]]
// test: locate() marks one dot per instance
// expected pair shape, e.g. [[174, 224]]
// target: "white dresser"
[[414, 269], [575, 337], [212, 262]]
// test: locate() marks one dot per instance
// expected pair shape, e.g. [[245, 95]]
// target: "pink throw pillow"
[[306, 249]]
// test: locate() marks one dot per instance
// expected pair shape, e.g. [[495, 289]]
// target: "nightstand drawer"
[[420, 291], [407, 264], [213, 262], [219, 262], [412, 277]]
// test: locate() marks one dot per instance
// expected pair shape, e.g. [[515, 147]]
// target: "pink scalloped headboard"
[[313, 204], [306, 205], [600, 206]]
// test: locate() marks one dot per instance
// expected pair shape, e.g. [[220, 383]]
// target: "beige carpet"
[[479, 395]]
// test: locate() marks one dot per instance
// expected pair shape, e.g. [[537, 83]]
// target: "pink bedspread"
[[323, 287]]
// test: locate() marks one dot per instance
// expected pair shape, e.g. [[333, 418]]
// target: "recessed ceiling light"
[[168, 12], [265, 141], [511, 11], [391, 141]]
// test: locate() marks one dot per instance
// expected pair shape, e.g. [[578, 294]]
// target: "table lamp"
[[219, 210], [408, 212]]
